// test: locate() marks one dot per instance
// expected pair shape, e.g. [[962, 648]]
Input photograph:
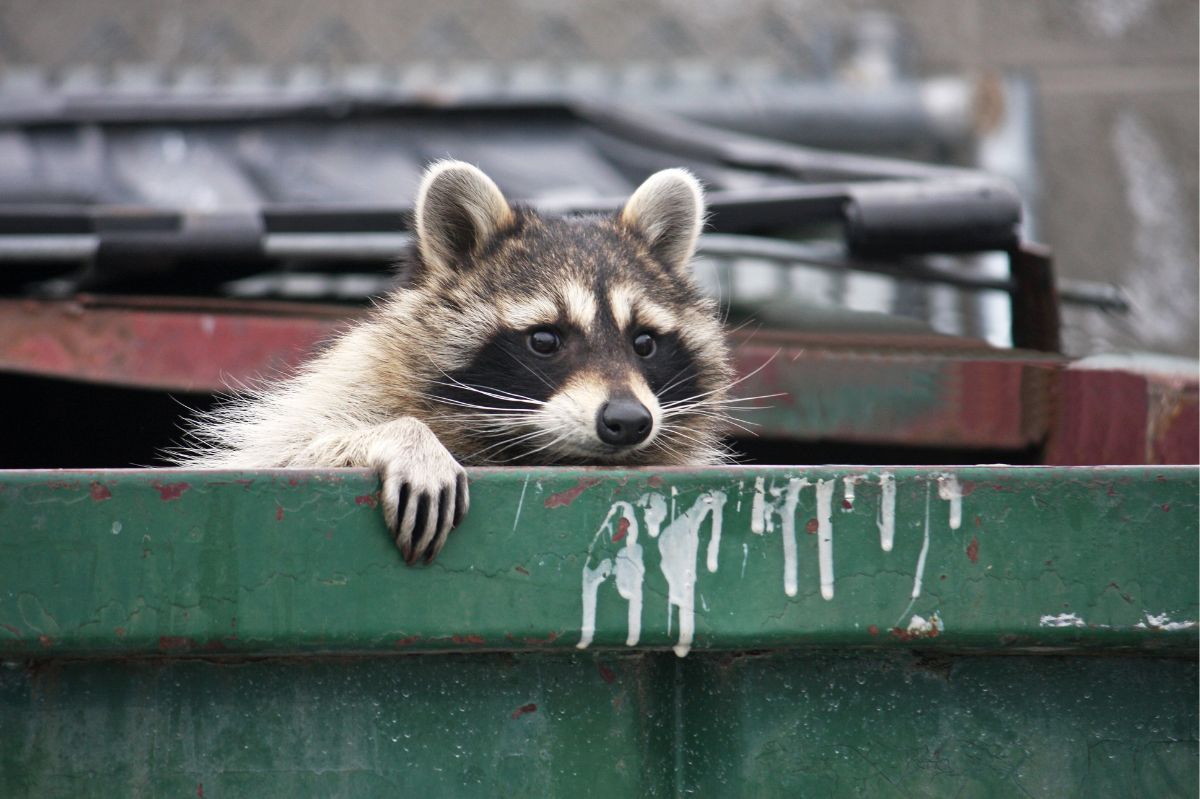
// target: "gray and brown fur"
[[443, 373]]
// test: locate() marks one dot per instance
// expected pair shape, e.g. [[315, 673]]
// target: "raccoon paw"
[[425, 492]]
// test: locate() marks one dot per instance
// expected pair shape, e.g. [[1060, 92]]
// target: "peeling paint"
[[564, 498], [1061, 620], [1163, 622], [169, 492], [973, 550]]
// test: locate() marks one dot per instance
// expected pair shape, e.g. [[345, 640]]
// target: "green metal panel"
[[168, 562], [788, 724], [217, 634]]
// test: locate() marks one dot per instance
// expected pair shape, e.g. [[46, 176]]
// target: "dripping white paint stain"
[[848, 490], [886, 520], [951, 491], [789, 534], [678, 539], [677, 547], [825, 535]]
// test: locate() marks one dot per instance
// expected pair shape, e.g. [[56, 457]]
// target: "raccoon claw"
[[425, 495], [426, 517]]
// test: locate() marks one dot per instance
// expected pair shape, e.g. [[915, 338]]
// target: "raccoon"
[[516, 339]]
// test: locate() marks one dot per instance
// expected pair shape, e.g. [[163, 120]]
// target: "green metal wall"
[[218, 634]]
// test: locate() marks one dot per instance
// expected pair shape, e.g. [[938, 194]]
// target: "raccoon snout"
[[623, 422]]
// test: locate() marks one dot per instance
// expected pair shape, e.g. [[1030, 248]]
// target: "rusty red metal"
[[196, 346], [911, 390], [1117, 417], [952, 396]]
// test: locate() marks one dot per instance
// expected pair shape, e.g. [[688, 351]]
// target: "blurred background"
[[193, 193], [1089, 105]]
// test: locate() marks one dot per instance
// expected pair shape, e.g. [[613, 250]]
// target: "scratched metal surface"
[[172, 633], [612, 724], [992, 558]]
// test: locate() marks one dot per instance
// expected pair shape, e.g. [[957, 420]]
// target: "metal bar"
[[383, 247], [1035, 311], [169, 562]]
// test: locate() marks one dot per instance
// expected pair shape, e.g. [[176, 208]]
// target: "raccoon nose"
[[623, 422]]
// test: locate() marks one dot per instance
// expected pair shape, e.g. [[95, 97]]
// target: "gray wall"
[[1117, 87]]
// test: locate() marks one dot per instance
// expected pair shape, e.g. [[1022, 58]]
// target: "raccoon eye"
[[544, 341], [643, 344]]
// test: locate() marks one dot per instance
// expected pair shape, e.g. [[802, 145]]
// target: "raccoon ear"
[[668, 209], [458, 210]]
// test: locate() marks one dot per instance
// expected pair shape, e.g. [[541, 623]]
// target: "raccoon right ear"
[[668, 209], [459, 209]]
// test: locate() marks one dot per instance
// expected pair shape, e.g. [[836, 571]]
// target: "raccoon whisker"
[[711, 409], [528, 368], [731, 402], [666, 449], [506, 443], [461, 384], [461, 404], [677, 378], [733, 383], [544, 446], [728, 420], [748, 320], [677, 431], [722, 452], [494, 393]]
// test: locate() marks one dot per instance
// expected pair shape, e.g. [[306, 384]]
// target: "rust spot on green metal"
[[564, 498], [169, 492], [523, 709]]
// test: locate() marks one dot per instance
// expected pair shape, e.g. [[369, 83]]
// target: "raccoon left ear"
[[458, 210], [668, 209]]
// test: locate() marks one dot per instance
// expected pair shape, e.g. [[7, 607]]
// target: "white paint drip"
[[920, 575], [789, 533], [745, 557], [951, 491], [677, 546], [630, 572], [848, 483], [714, 541], [886, 520], [825, 535], [592, 578], [757, 522], [741, 485], [1061, 620], [655, 512]]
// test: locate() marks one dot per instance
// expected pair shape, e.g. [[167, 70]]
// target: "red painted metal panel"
[[1114, 417], [193, 347]]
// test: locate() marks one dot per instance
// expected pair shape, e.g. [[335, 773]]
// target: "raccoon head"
[[577, 340]]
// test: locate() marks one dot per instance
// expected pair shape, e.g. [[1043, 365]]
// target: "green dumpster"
[[848, 631]]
